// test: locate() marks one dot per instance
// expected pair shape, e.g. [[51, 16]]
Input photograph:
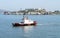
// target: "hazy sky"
[[17, 4]]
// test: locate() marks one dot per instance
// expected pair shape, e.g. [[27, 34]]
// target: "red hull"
[[17, 24]]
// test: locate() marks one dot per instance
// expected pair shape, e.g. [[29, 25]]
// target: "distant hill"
[[1, 11], [30, 12]]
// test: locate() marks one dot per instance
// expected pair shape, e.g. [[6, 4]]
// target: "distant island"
[[32, 12]]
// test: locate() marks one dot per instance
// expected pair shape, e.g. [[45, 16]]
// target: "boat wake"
[[49, 24]]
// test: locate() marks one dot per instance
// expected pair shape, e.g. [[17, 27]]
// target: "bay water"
[[48, 26]]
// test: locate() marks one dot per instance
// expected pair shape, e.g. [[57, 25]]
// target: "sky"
[[14, 5]]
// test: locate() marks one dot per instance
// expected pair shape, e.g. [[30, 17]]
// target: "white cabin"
[[27, 21]]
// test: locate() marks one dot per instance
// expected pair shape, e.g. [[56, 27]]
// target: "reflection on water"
[[27, 31]]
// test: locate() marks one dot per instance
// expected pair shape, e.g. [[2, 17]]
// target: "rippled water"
[[48, 27]]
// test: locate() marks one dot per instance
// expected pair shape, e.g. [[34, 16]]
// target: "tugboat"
[[25, 22]]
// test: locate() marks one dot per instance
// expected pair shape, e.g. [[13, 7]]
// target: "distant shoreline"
[[32, 12]]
